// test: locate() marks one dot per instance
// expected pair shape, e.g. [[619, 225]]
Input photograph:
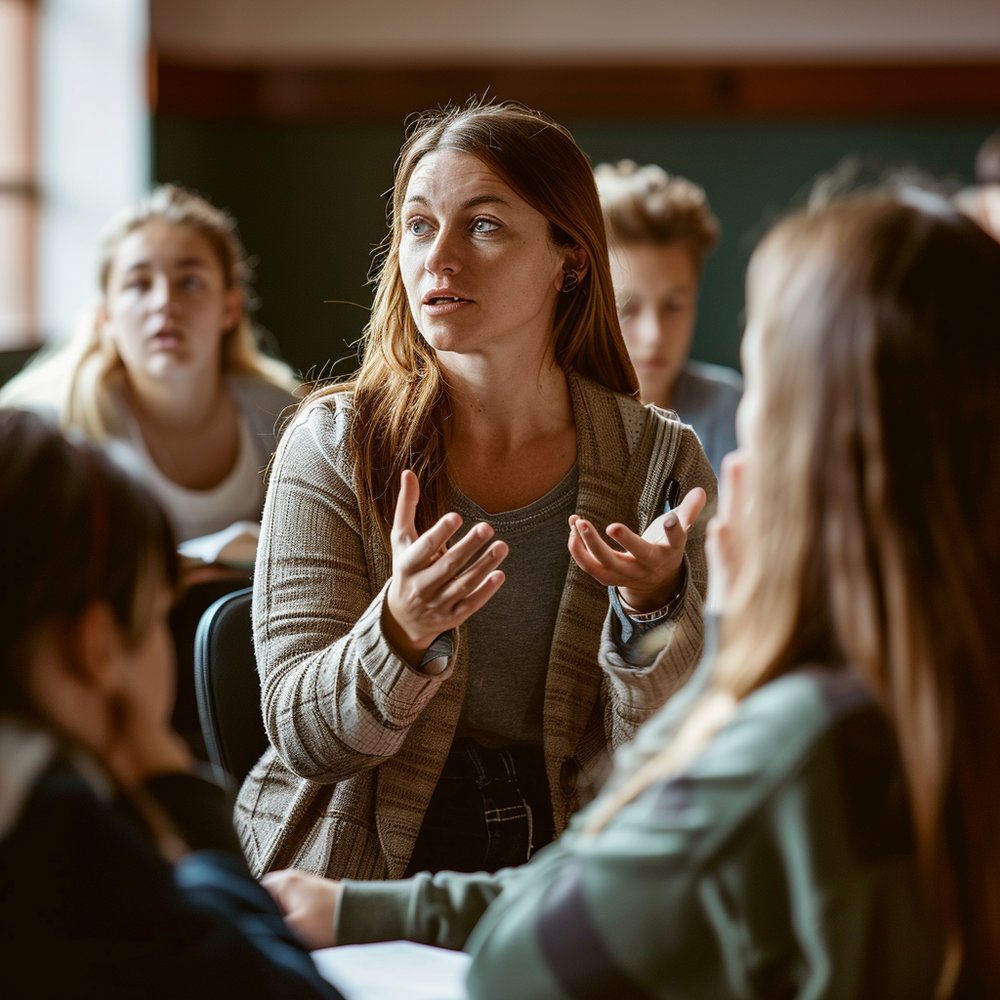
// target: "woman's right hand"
[[434, 587]]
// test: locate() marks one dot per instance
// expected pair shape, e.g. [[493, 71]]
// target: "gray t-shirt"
[[511, 637]]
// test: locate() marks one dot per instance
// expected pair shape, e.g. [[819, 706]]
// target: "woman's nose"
[[160, 293], [444, 256], [647, 327]]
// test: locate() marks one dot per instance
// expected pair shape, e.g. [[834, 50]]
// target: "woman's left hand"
[[648, 573]]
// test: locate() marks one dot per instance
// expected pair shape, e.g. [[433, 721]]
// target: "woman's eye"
[[417, 227], [481, 225], [192, 283]]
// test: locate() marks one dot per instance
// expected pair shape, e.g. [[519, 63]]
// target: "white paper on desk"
[[394, 970], [232, 546]]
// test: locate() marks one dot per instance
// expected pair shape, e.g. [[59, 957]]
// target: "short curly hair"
[[648, 205]]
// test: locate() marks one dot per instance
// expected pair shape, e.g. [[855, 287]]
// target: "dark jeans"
[[490, 810]]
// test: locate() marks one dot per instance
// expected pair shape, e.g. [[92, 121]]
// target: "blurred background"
[[290, 113]]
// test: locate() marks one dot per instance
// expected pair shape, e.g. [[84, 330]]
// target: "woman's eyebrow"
[[479, 199]]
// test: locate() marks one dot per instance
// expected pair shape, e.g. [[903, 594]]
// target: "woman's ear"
[[95, 647], [102, 319], [576, 264], [232, 309]]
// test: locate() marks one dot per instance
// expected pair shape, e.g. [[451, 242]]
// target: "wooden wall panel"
[[818, 91]]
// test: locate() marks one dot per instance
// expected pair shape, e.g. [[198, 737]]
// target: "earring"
[[571, 281]]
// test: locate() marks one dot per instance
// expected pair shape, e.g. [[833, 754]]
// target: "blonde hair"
[[399, 392], [75, 377], [646, 205], [873, 539]]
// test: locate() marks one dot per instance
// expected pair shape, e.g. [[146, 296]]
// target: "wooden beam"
[[598, 91]]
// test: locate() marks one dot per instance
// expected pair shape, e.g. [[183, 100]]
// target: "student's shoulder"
[[701, 381], [786, 719], [255, 392]]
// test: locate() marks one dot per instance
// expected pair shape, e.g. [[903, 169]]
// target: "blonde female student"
[[166, 369], [817, 816], [463, 549], [120, 872]]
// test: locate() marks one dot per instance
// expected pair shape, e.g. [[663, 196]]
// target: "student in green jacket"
[[816, 814]]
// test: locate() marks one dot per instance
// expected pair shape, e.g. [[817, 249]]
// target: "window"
[[18, 175]]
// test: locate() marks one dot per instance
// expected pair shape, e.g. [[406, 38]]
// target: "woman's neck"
[[509, 441], [180, 406], [501, 411]]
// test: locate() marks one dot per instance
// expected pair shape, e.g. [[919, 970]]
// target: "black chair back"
[[227, 688]]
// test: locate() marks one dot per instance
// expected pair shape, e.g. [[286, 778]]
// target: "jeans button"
[[569, 776]]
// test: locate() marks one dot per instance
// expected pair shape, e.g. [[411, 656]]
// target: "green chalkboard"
[[310, 203]]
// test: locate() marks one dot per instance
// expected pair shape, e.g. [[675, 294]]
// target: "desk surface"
[[394, 969]]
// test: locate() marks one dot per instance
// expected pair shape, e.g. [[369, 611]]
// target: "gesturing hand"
[[648, 573], [308, 904], [434, 587]]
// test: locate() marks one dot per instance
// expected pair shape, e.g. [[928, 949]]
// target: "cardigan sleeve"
[[643, 675], [336, 697]]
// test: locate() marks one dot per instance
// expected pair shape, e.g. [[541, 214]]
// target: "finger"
[[638, 546], [687, 513], [676, 524], [469, 605], [472, 576], [404, 521], [595, 556], [454, 560], [583, 558], [427, 548], [432, 575]]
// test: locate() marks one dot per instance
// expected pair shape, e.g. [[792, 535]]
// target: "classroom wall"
[[442, 31], [308, 190], [309, 201]]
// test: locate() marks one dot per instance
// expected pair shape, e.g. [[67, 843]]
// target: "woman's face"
[[478, 263], [656, 290], [167, 305]]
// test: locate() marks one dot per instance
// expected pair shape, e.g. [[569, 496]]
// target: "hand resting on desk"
[[308, 903]]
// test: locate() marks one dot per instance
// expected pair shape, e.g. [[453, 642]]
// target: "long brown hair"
[[399, 393], [873, 538]]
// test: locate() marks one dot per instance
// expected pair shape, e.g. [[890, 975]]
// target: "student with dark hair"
[[816, 816], [120, 872], [427, 706]]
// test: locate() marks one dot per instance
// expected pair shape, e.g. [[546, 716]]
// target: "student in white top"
[[166, 369]]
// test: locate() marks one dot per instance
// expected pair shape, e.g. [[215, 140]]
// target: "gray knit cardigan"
[[358, 737]]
